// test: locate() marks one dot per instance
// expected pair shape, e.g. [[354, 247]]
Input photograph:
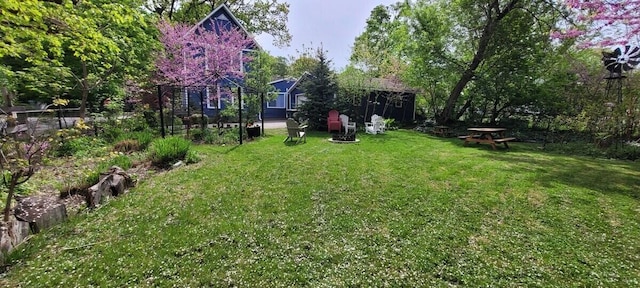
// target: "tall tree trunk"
[[494, 16], [84, 85], [7, 96]]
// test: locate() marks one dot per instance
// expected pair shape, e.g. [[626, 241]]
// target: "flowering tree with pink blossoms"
[[602, 23], [197, 57]]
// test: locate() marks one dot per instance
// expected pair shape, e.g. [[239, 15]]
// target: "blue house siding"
[[276, 108], [220, 18]]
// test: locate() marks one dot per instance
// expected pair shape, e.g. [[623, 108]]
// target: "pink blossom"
[[198, 57], [602, 22]]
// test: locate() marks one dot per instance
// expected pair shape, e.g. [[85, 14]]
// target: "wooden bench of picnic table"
[[443, 131], [489, 136], [504, 140]]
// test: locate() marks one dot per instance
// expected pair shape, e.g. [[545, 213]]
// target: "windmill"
[[622, 59]]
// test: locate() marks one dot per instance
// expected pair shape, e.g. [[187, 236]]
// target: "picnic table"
[[487, 135], [441, 130]]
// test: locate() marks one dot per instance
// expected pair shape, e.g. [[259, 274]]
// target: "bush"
[[192, 157], [137, 122], [152, 118], [225, 136], [110, 132], [164, 152], [79, 146], [127, 146], [624, 152], [199, 135], [198, 119], [144, 138], [177, 125]]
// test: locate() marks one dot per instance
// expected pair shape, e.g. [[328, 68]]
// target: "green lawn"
[[401, 209]]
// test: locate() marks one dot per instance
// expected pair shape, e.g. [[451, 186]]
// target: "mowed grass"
[[401, 209]]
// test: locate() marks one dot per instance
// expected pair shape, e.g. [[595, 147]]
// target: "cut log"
[[113, 183]]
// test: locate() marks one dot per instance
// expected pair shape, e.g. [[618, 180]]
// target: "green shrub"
[[177, 125], [164, 152], [127, 146], [110, 132], [624, 152], [136, 122], [152, 118], [144, 138], [199, 135], [79, 146], [390, 124], [192, 157], [224, 136], [199, 119]]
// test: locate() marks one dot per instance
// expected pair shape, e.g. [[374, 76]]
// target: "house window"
[[277, 102], [398, 103], [300, 98], [213, 96]]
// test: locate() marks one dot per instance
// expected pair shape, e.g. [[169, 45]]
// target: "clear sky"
[[334, 24]]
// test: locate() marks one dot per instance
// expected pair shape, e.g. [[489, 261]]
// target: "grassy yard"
[[401, 209]]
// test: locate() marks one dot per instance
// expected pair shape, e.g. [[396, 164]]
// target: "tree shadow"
[[601, 175], [598, 174]]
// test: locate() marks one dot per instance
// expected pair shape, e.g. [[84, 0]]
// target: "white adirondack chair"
[[348, 126], [376, 126]]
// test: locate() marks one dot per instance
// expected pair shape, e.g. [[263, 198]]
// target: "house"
[[383, 97], [285, 103], [215, 97]]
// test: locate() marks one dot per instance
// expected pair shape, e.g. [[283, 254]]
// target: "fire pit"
[[344, 138]]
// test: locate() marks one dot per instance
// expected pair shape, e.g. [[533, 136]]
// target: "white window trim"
[[298, 99], [185, 97], [283, 98], [209, 106], [398, 103]]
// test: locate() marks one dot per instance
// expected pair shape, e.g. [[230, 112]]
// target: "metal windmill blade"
[[610, 60], [630, 57]]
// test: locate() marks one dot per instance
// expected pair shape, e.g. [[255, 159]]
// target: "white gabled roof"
[[300, 79], [223, 7]]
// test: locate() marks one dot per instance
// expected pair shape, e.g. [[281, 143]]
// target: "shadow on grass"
[[603, 176], [598, 174]]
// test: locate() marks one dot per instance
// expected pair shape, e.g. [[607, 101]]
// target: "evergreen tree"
[[320, 86]]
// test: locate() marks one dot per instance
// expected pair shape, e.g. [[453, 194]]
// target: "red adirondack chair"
[[333, 121]]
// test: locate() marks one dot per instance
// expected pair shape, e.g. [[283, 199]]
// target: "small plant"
[[18, 161], [192, 157], [143, 138], [390, 124], [164, 152]]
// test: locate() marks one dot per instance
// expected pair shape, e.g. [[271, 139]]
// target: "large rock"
[[41, 212], [113, 183]]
